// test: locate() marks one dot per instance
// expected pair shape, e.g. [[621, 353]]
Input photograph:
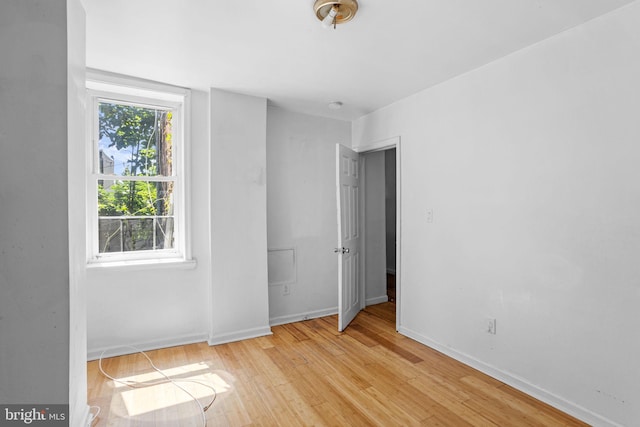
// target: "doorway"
[[380, 226], [365, 277]]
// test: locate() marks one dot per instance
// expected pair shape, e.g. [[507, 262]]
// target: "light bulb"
[[327, 22]]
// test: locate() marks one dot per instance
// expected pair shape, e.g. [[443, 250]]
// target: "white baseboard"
[[521, 384], [122, 349], [377, 300], [239, 335], [281, 320]]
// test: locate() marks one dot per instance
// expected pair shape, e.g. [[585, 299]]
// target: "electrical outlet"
[[286, 290], [430, 216], [491, 326]]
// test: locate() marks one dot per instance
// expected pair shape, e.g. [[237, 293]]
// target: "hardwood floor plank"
[[308, 373], [281, 335], [297, 333], [305, 413], [398, 415], [332, 323], [365, 404], [503, 397], [448, 420], [398, 349], [262, 365], [454, 410], [384, 311], [548, 412], [326, 338], [280, 411], [412, 401], [360, 334], [311, 389]]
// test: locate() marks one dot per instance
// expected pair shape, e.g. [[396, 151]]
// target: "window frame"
[[125, 90]]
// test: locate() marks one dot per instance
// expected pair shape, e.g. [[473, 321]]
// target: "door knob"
[[341, 250]]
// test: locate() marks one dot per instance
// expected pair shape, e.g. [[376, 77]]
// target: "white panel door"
[[349, 235]]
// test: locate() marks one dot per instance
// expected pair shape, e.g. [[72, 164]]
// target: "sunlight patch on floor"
[[177, 372], [155, 398]]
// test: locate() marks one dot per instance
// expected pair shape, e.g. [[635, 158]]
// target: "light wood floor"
[[307, 373]]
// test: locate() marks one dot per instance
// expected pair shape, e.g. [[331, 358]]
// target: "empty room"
[[314, 212]]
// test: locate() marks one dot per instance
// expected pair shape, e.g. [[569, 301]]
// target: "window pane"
[[121, 234], [134, 140], [135, 198], [110, 235], [137, 234], [164, 233], [135, 215]]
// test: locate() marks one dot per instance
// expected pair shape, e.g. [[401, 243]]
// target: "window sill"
[[144, 264]]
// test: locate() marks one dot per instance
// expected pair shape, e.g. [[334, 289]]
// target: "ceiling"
[[277, 49]]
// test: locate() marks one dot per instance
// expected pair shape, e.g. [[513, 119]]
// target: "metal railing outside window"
[[135, 233]]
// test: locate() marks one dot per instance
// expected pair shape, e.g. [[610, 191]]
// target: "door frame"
[[383, 145]]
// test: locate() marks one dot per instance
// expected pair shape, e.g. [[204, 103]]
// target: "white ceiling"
[[277, 48]]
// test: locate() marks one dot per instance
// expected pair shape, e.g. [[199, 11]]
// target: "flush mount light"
[[333, 12], [335, 105]]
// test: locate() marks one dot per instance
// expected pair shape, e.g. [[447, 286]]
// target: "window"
[[136, 183]]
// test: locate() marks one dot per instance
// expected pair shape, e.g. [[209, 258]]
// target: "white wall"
[[239, 297], [161, 306], [76, 96], [301, 209], [530, 165], [34, 256], [375, 269]]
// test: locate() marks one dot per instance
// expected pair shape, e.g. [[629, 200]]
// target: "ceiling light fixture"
[[333, 12], [335, 105]]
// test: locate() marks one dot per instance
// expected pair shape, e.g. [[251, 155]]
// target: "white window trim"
[[102, 85]]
